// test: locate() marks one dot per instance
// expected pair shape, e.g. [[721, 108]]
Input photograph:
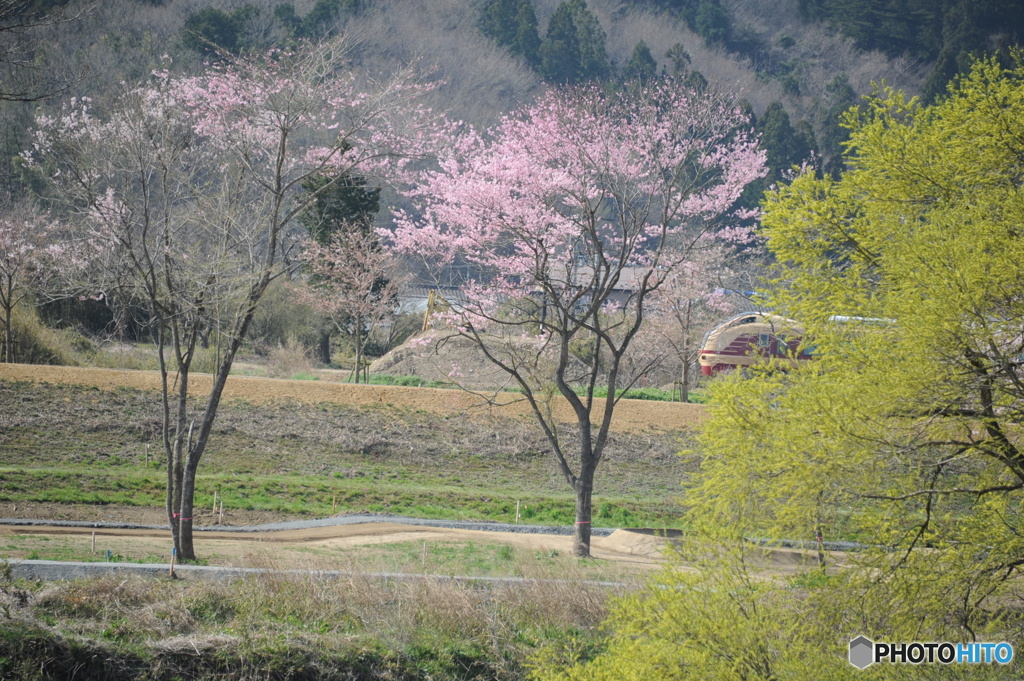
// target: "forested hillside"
[[796, 65], [801, 60]]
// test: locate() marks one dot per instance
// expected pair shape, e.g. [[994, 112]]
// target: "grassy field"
[[80, 446], [85, 450]]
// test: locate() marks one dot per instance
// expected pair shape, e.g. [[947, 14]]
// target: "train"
[[753, 338]]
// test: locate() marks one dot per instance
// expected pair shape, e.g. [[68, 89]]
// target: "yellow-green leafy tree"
[[904, 434]]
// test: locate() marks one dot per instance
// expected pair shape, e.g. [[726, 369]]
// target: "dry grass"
[[290, 359], [424, 627]]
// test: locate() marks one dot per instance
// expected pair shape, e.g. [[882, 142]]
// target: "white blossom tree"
[[186, 189], [27, 263]]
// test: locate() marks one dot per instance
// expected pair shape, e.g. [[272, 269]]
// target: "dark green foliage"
[[286, 17], [573, 50], [696, 81], [560, 51], [527, 38], [594, 62], [498, 21], [512, 24], [947, 32], [785, 147], [679, 57], [321, 21], [210, 29], [839, 97], [641, 65], [712, 22], [346, 203]]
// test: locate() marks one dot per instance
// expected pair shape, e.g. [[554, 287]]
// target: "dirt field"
[[630, 415]]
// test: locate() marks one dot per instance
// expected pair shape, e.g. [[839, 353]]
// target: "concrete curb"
[[54, 571]]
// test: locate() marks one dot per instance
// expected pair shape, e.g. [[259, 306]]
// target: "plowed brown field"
[[630, 415]]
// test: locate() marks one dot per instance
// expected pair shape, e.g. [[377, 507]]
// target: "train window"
[[763, 340]]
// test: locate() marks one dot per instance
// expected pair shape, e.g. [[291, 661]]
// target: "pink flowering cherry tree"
[[187, 189], [569, 215]]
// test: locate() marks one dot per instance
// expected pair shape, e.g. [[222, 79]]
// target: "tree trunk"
[[186, 550], [323, 348], [359, 347], [581, 536], [187, 482], [684, 384], [8, 337]]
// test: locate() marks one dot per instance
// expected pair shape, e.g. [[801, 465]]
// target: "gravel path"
[[335, 521]]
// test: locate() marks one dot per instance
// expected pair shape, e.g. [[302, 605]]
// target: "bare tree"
[[23, 77], [354, 283]]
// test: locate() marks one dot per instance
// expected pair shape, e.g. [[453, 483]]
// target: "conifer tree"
[[527, 42], [641, 66], [594, 61], [560, 51], [574, 49]]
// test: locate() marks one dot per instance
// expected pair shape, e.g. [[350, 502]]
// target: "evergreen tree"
[[696, 81], [210, 29], [641, 66], [839, 97], [560, 51], [499, 21], [512, 24], [527, 42], [594, 62], [680, 59], [287, 19], [712, 22], [574, 49], [347, 205], [779, 139]]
